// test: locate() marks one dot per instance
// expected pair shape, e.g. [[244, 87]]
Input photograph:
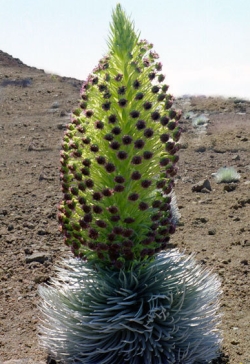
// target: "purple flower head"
[[143, 206], [89, 113], [118, 77], [161, 78], [112, 209], [112, 118], [147, 105], [146, 183], [110, 167], [147, 155], [106, 105], [119, 188], [122, 155], [114, 145], [121, 90], [139, 144], [107, 192], [133, 197], [126, 139], [119, 179], [122, 102], [136, 175], [116, 130], [158, 66], [102, 87], [101, 160], [137, 159], [139, 96], [140, 124], [136, 84], [99, 124], [86, 209], [94, 148], [155, 115], [129, 220], [151, 75], [148, 133], [155, 89], [109, 137], [97, 209], [115, 218]]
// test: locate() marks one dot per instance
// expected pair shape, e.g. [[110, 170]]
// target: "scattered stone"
[[219, 150], [236, 218], [10, 227], [205, 190], [236, 157], [221, 271], [62, 126], [3, 212], [38, 257], [28, 225], [28, 251], [200, 149], [247, 243], [211, 231], [235, 342], [244, 262], [41, 279], [230, 187], [203, 184], [55, 105], [42, 232]]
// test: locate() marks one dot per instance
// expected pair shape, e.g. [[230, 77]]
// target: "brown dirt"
[[215, 225]]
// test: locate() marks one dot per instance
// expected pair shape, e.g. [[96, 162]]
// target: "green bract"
[[118, 156]]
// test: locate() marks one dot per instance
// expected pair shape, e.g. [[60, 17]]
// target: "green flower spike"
[[118, 159]]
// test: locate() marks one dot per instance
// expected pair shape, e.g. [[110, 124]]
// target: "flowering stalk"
[[118, 156]]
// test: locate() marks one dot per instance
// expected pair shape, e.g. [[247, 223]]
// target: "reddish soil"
[[215, 224]]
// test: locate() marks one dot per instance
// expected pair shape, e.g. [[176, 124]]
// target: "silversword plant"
[[227, 175], [124, 298]]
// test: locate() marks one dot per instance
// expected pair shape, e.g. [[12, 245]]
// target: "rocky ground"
[[215, 221]]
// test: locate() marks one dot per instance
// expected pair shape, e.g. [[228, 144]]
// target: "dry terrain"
[[215, 222]]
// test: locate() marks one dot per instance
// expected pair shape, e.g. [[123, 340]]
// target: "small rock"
[[3, 212], [244, 261], [61, 126], [247, 243], [29, 225], [200, 149], [55, 105], [235, 342], [42, 232], [41, 279], [205, 190], [236, 219], [211, 231], [221, 272], [38, 257], [10, 227], [236, 157], [230, 187], [203, 184]]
